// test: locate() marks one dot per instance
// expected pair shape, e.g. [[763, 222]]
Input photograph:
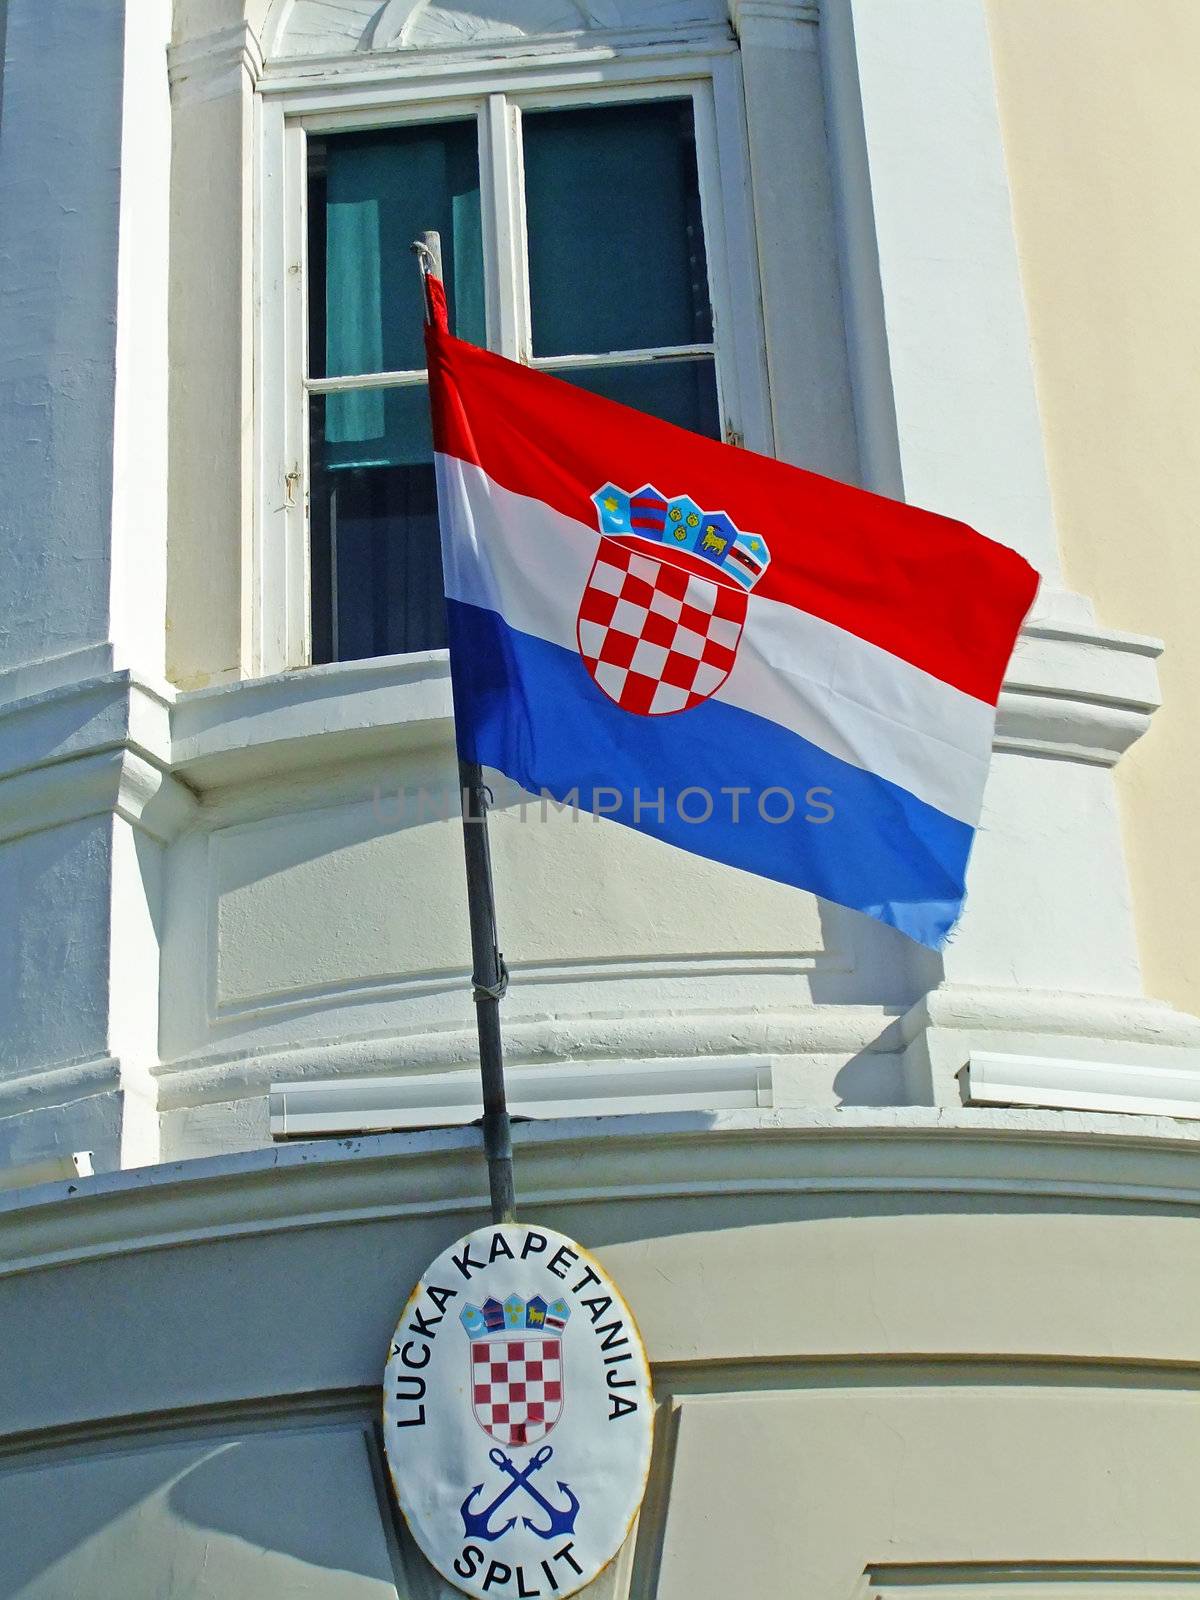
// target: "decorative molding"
[[402, 986], [393, 27], [1123, 1020], [1078, 692], [1049, 1580], [152, 800], [1040, 1039], [303, 31], [85, 748], [775, 24], [229, 1073], [358, 80], [114, 781], [386, 32], [214, 64]]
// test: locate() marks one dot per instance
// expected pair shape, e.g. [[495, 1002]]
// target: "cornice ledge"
[[1078, 692], [265, 727], [60, 1084], [84, 748], [1136, 1161], [1115, 1019], [119, 782], [214, 64]]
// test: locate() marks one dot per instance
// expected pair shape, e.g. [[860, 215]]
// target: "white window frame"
[[291, 109]]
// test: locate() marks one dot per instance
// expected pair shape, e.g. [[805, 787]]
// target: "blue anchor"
[[562, 1519]]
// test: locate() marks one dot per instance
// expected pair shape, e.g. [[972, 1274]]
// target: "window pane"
[[682, 392], [376, 560], [616, 243], [370, 195], [377, 428]]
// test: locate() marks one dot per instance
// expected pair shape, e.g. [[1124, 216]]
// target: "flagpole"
[[489, 974]]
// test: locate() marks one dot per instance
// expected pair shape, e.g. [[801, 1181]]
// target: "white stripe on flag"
[[517, 556]]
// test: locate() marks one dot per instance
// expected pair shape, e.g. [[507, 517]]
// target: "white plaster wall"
[[59, 213], [343, 896], [1047, 859], [317, 926], [54, 946]]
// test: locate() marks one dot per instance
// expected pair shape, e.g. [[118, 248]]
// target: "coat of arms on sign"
[[516, 1366]]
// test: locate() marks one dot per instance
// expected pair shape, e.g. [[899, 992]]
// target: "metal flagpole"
[[489, 974]]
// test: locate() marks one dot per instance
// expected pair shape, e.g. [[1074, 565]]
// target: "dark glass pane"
[[616, 242], [376, 559], [683, 392], [370, 195]]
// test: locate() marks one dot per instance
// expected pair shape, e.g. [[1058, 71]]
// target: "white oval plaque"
[[517, 1414]]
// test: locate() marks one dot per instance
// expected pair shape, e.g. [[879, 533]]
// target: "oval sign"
[[517, 1414]]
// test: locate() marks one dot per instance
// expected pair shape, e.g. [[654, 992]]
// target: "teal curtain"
[[380, 191]]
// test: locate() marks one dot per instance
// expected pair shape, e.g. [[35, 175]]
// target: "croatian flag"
[[748, 661]]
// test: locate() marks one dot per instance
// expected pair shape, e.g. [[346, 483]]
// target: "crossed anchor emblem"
[[476, 1523]]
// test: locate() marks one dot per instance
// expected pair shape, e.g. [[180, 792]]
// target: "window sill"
[[348, 710]]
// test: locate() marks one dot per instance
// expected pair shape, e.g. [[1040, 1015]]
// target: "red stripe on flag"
[[924, 587]]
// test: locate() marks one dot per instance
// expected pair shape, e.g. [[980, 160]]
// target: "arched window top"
[[338, 27]]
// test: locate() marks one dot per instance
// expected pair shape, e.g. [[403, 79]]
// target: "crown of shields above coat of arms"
[[516, 1366], [662, 613]]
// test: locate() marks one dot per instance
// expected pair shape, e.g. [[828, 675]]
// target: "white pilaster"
[[84, 249], [213, 420], [87, 806], [934, 296], [811, 402]]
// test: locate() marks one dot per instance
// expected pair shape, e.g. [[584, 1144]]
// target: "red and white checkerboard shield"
[[517, 1387], [657, 636]]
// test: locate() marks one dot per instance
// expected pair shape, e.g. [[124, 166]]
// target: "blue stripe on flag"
[[531, 710]]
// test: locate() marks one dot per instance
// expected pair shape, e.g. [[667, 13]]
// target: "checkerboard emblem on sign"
[[516, 1380], [664, 606], [517, 1388]]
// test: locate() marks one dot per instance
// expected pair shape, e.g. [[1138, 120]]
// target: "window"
[[587, 229], [376, 565]]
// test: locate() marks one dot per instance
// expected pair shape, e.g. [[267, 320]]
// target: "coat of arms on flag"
[[516, 1366], [662, 613]]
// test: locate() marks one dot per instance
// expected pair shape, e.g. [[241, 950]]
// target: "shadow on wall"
[[239, 1519]]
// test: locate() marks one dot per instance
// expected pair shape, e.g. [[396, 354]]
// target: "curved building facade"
[[908, 1236]]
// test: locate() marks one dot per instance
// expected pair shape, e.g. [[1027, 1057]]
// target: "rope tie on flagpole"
[[493, 991]]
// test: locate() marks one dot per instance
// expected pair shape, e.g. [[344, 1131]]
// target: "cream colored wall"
[[1101, 121]]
